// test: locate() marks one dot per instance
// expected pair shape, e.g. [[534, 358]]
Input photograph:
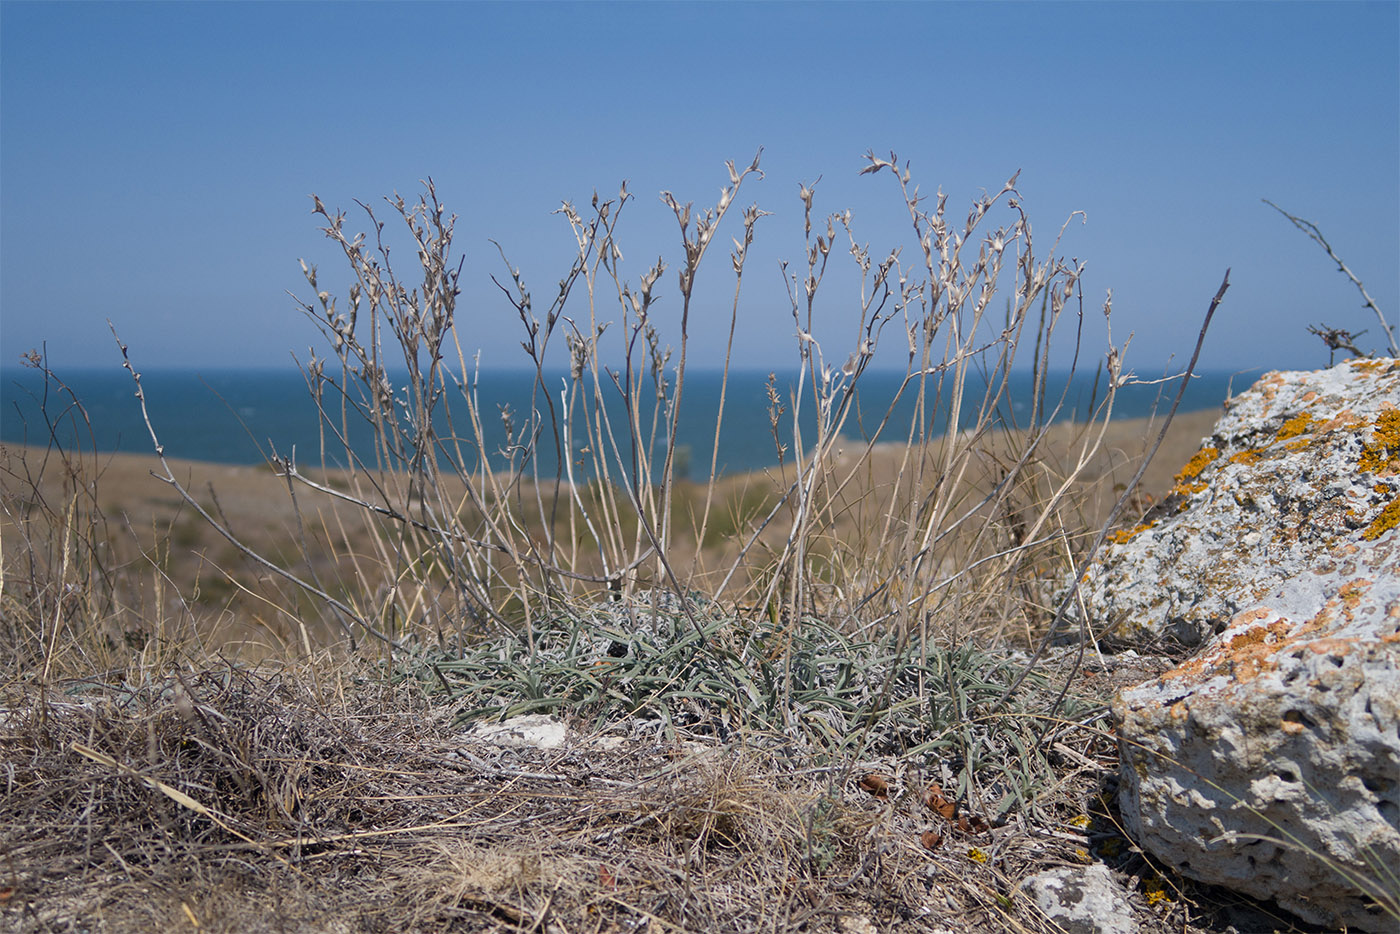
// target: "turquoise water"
[[240, 416]]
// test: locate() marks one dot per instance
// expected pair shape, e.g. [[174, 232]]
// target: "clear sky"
[[156, 159]]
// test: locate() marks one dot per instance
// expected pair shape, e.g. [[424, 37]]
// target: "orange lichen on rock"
[[1382, 454], [1123, 536], [1333, 646], [1250, 653], [1259, 635], [1292, 543], [1199, 462], [1245, 654], [1351, 592], [1388, 519], [1346, 418], [1295, 426], [1254, 651]]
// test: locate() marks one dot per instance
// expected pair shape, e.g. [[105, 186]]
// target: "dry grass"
[[786, 665], [585, 500], [161, 790], [314, 799], [232, 606]]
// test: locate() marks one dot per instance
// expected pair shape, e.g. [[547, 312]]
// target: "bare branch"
[[1309, 228]]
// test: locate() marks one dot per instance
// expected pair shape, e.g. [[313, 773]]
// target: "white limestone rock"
[[1270, 762], [1285, 499], [1082, 901]]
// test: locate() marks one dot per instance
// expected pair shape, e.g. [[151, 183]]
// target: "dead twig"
[[1309, 228]]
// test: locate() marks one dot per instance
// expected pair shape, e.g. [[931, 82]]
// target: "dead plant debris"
[[228, 799]]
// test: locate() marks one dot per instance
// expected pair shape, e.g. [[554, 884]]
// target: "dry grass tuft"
[[234, 800]]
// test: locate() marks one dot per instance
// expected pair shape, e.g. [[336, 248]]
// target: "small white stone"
[[1082, 901], [538, 730]]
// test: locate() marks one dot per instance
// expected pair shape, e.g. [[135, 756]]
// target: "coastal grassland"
[[819, 698], [217, 601]]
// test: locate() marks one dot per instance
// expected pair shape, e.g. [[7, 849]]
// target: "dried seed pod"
[[877, 784], [939, 804]]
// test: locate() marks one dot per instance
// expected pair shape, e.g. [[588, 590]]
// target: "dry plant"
[[940, 529], [102, 578], [53, 569], [238, 801], [230, 800], [583, 501], [566, 570], [80, 592], [1338, 338], [807, 725]]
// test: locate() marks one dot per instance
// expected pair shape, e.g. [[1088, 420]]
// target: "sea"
[[243, 416]]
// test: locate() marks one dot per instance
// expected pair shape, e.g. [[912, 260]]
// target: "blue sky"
[[156, 159]]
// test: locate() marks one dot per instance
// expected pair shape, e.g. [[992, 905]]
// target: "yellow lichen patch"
[[1199, 462], [1248, 458], [1382, 455], [1295, 426], [1388, 519], [1123, 536], [1378, 363], [1156, 892], [1298, 445]]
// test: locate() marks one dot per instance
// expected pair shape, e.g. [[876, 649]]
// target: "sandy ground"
[[252, 496]]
